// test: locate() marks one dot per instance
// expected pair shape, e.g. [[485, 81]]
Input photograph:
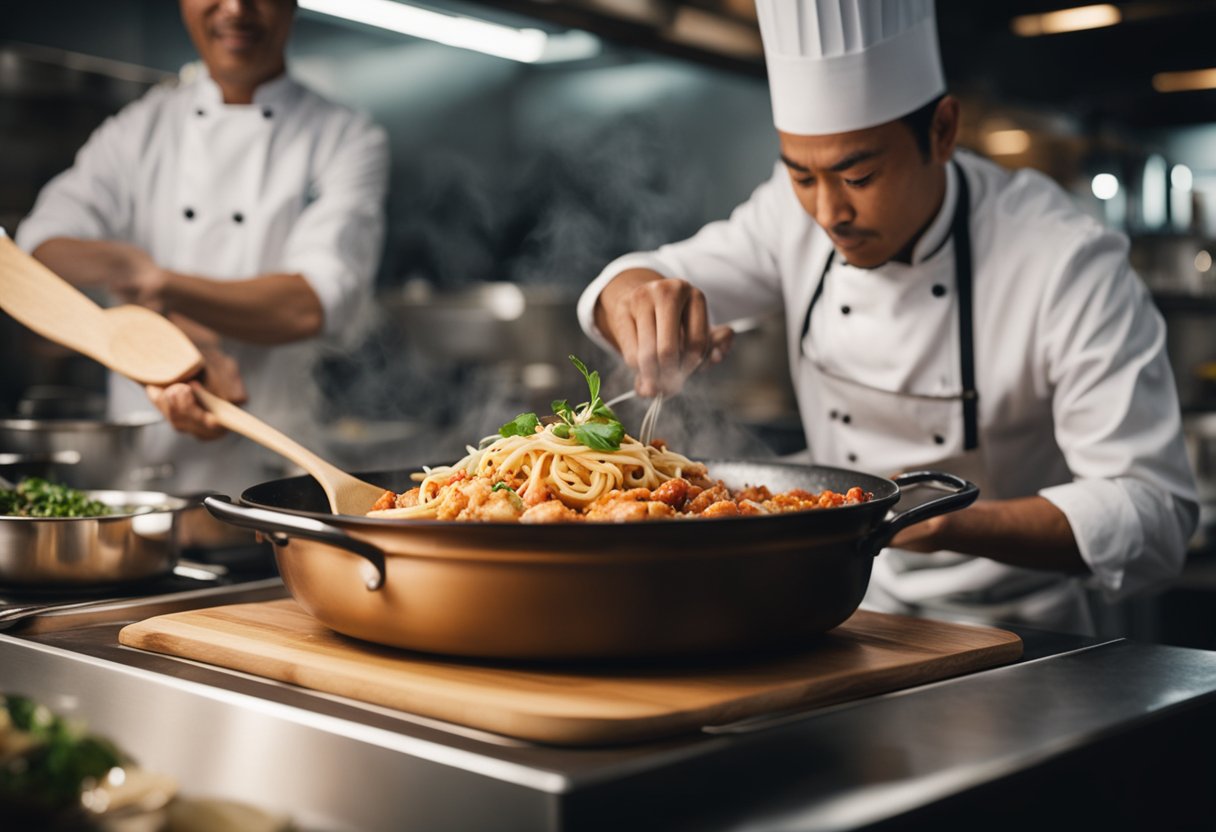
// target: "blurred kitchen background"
[[516, 177]]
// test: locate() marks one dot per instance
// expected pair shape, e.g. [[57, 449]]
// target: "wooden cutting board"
[[870, 653]]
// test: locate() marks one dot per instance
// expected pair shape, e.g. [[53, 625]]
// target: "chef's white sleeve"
[[92, 199], [733, 261], [336, 242], [1132, 504]]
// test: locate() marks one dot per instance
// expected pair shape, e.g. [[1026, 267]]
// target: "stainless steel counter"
[[882, 762]]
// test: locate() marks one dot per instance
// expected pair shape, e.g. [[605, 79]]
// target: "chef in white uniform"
[[243, 205], [942, 313]]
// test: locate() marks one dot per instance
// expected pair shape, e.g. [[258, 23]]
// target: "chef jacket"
[[290, 183], [1076, 399]]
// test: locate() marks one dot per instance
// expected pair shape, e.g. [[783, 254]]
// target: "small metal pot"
[[106, 452], [74, 552]]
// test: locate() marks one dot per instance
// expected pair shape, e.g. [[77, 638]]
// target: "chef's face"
[[241, 41], [873, 191]]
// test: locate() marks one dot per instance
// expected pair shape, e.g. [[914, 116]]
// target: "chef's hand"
[[181, 408], [661, 327], [136, 278]]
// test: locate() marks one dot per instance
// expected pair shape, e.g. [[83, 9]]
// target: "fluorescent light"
[[1182, 178], [1181, 209], [1067, 20], [1197, 79], [1105, 186], [1007, 142], [1154, 191], [524, 45]]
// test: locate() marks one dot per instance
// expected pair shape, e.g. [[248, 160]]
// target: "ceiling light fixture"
[[524, 45], [1007, 142], [1066, 20], [1105, 186], [1196, 79]]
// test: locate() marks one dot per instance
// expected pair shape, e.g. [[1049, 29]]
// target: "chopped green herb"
[[35, 497], [514, 497]]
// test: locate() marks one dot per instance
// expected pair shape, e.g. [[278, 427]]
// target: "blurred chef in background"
[[242, 205], [942, 313]]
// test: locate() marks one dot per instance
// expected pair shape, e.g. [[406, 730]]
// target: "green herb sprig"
[[591, 422]]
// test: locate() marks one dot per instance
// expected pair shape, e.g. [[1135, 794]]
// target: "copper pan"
[[588, 590]]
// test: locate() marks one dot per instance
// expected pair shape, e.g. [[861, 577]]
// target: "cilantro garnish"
[[525, 424], [592, 422], [603, 436]]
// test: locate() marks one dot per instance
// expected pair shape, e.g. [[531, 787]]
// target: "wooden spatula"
[[346, 494], [148, 348], [131, 340]]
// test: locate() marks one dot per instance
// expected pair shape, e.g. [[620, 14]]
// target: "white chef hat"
[[841, 65]]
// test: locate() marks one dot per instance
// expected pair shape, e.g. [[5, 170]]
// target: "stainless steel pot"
[[487, 322], [105, 455], [105, 452], [587, 591], [137, 542]]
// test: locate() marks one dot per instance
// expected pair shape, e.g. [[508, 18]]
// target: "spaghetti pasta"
[[582, 466], [546, 466]]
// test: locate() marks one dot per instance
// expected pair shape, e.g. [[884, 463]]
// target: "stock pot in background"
[[138, 542], [95, 453], [81, 453]]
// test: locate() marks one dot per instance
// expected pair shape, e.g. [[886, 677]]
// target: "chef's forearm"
[[1028, 531], [86, 264], [267, 309]]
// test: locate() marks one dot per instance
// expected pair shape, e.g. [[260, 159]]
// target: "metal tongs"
[[651, 418]]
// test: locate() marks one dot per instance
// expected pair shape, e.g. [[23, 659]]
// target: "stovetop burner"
[[31, 608], [186, 576]]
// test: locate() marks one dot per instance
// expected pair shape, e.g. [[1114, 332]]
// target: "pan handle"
[[280, 528], [963, 495]]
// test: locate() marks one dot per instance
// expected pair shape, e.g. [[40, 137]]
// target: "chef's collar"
[[935, 236], [270, 94]]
